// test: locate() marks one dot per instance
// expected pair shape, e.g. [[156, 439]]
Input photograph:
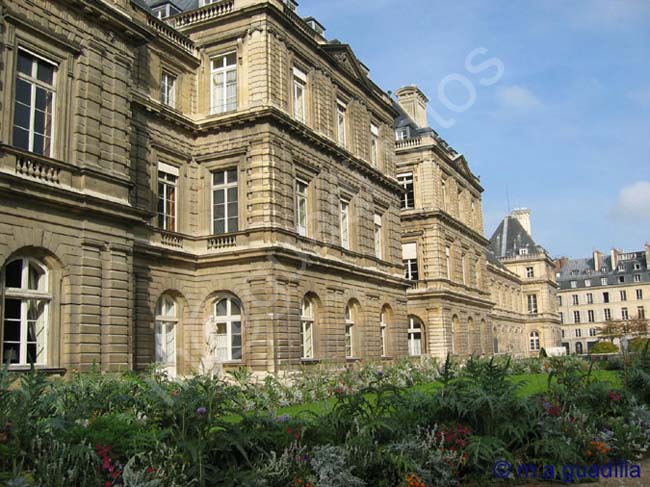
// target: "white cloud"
[[634, 202], [518, 98]]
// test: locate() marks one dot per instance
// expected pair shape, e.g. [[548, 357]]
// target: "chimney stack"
[[598, 260], [414, 102], [614, 254], [647, 256], [522, 215]]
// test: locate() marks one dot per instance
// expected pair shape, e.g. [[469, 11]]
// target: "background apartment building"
[[600, 290]]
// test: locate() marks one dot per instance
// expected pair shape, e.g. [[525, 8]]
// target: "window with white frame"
[[607, 313], [593, 332], [374, 144], [402, 133], [448, 261], [410, 260], [620, 268], [382, 333], [590, 298], [578, 332], [227, 335], [307, 328], [637, 277], [523, 251], [299, 94], [534, 341], [624, 314], [349, 332], [379, 240], [576, 316], [587, 282], [532, 304], [637, 266], [408, 197], [603, 281], [34, 103], [165, 333], [639, 294], [621, 279], [575, 299], [530, 272], [344, 208], [640, 312], [302, 206], [623, 295], [168, 90], [167, 196], [225, 202], [561, 317], [574, 284], [559, 300], [341, 122], [591, 317], [25, 303], [415, 333], [223, 92], [606, 297]]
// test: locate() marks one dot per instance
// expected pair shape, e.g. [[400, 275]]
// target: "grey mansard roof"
[[510, 237], [581, 270]]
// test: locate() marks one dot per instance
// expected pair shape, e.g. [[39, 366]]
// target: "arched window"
[[25, 303], [415, 334], [457, 335], [579, 348], [349, 332], [165, 333], [307, 330], [228, 330], [534, 341], [383, 316]]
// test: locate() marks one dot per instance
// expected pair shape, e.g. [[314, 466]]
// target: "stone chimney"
[[560, 263], [522, 215], [614, 255], [598, 260], [414, 102], [647, 256]]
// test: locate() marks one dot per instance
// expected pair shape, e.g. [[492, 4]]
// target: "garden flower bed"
[[407, 425]]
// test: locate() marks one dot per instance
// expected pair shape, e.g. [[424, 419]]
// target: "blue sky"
[[565, 131]]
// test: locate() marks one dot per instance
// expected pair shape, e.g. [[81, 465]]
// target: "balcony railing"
[[202, 14], [173, 36], [37, 168], [223, 242]]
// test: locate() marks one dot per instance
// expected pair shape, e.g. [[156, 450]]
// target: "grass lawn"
[[532, 384]]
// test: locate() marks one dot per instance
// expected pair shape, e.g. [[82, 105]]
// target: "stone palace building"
[[207, 184]]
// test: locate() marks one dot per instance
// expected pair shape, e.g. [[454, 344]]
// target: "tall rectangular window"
[[379, 239], [530, 272], [624, 314], [167, 196], [463, 268], [299, 89], [406, 182], [639, 294], [623, 295], [34, 104], [345, 223], [590, 316], [590, 298], [578, 330], [576, 316], [301, 207], [607, 313], [341, 122], [225, 202], [448, 261], [559, 300], [223, 83], [168, 90], [605, 297], [640, 312], [561, 317], [374, 145], [410, 260], [603, 281], [532, 304], [575, 299], [637, 277]]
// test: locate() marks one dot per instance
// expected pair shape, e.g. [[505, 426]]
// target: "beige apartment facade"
[[598, 291], [214, 194]]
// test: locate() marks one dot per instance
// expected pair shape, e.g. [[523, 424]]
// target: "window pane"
[[12, 330], [235, 309], [233, 224], [219, 226], [222, 310], [218, 177], [24, 63], [232, 176], [232, 195], [14, 274], [23, 91], [21, 138], [231, 59], [219, 196], [21, 116], [39, 144], [45, 72], [10, 352], [236, 353], [39, 122], [236, 328], [219, 212], [12, 309], [236, 342]]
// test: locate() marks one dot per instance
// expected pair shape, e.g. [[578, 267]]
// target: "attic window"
[[523, 251], [402, 133]]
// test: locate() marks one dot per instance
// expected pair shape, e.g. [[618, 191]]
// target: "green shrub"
[[638, 344], [604, 347]]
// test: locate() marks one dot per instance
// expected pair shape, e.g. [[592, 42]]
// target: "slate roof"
[[510, 237], [581, 270]]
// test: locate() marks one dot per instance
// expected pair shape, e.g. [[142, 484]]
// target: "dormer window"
[[523, 251], [620, 268], [402, 133]]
